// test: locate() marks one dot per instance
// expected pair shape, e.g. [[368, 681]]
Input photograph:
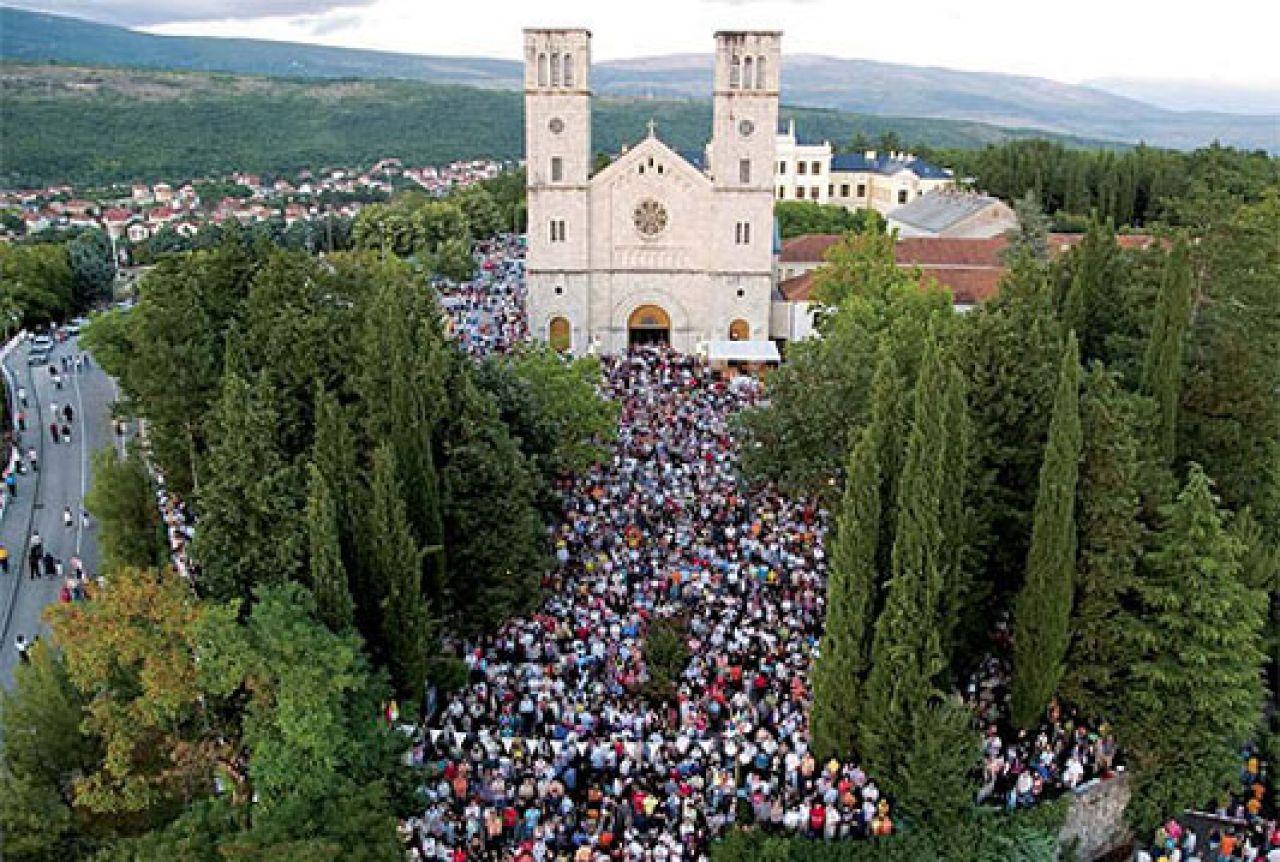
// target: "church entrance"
[[648, 325]]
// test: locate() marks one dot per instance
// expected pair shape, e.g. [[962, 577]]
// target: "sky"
[[1224, 42]]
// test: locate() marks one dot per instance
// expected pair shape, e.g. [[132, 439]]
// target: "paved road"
[[62, 480]]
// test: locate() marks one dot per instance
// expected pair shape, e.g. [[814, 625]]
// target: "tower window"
[[557, 230], [902, 196], [831, 190], [782, 167], [760, 83], [744, 171], [742, 233], [782, 192], [748, 74], [568, 70], [813, 192], [555, 70], [862, 190], [557, 169], [816, 168], [735, 73], [844, 190], [542, 70], [801, 167], [799, 192]]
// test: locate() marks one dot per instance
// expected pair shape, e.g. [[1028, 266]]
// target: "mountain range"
[[862, 86]]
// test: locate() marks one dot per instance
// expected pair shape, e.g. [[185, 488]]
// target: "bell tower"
[[557, 122], [745, 118]]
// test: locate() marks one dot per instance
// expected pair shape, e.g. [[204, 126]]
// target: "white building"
[[652, 248], [808, 171], [949, 213]]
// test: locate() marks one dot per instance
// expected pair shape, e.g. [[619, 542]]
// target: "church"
[[652, 249]]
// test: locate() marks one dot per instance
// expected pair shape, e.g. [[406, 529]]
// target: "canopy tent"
[[742, 351]]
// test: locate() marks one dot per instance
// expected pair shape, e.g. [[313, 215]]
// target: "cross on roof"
[[652, 128]]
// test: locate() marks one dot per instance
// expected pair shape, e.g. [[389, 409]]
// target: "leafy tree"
[[395, 564], [820, 398], [131, 653], [1162, 365], [1093, 306], [167, 352], [93, 271], [1032, 238], [552, 406], [1195, 692], [44, 751], [1111, 537], [666, 653], [1043, 608], [309, 729], [484, 218], [123, 502], [797, 218], [328, 576], [852, 583], [36, 280]]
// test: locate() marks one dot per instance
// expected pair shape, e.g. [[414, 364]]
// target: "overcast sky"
[[1227, 41]]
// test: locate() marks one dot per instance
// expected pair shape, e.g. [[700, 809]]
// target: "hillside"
[[861, 86], [87, 125]]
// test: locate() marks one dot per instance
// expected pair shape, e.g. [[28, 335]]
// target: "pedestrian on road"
[[33, 459], [53, 431], [84, 519], [50, 564], [4, 559], [53, 409], [66, 432], [77, 567], [68, 414], [37, 543], [22, 395], [11, 483], [85, 358], [67, 519], [36, 559], [20, 643], [22, 421]]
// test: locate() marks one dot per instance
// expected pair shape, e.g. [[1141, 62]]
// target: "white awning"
[[742, 351]]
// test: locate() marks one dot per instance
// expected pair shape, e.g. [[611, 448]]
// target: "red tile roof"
[[797, 288], [809, 248], [967, 286]]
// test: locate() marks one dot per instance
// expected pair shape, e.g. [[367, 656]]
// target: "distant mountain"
[[101, 125], [1195, 95], [862, 86]]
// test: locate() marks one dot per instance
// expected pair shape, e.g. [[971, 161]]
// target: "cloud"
[[145, 13], [323, 25]]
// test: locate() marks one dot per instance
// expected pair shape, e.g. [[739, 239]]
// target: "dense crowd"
[[486, 314]]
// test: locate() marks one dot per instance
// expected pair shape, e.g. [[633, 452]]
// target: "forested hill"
[[93, 125], [837, 83]]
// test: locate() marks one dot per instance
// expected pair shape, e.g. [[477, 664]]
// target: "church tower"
[[557, 107], [742, 154]]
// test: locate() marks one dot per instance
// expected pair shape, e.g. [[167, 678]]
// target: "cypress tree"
[[937, 786], [1195, 694], [1162, 363], [889, 417], [906, 654], [851, 588], [396, 569], [248, 502], [328, 576], [958, 589], [1043, 607], [1110, 534]]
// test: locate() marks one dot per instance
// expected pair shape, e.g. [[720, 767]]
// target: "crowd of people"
[[486, 314]]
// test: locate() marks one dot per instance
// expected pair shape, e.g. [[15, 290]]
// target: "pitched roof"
[[883, 163], [939, 210], [967, 285], [808, 248]]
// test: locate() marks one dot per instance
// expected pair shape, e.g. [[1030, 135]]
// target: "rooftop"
[[938, 210]]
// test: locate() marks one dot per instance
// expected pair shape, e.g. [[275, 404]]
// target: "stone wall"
[[1095, 821]]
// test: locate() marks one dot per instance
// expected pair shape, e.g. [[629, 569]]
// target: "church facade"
[[652, 248]]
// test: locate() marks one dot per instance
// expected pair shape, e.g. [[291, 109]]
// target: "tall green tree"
[[395, 561], [839, 672], [961, 592], [93, 272], [1043, 608], [249, 503], [1094, 305], [324, 554], [938, 773], [123, 502], [1010, 351], [44, 752], [1163, 363], [906, 653], [1195, 692], [1111, 536]]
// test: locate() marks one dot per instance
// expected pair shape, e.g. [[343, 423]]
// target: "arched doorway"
[[739, 330], [559, 334], [647, 325]]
